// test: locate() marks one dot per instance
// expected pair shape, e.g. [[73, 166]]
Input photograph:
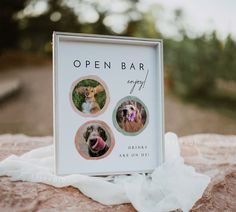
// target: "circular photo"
[[130, 116], [89, 96], [94, 140]]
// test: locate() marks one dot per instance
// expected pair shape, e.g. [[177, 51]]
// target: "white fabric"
[[171, 186]]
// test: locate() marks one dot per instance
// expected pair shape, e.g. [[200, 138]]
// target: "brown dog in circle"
[[90, 106], [131, 116]]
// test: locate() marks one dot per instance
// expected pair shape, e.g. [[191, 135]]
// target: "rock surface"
[[212, 154]]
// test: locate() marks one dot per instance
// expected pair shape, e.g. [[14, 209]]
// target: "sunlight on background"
[[204, 16], [200, 16], [199, 52]]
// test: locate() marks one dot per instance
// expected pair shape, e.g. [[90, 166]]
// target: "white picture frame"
[[108, 104]]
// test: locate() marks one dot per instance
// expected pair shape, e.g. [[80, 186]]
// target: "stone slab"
[[211, 154]]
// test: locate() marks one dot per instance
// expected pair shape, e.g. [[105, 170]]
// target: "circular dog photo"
[[130, 116], [94, 140], [89, 96]]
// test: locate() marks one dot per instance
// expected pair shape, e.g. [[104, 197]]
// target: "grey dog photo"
[[94, 140]]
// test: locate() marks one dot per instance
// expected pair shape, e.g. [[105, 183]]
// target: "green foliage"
[[32, 32], [220, 101], [9, 26], [101, 98], [88, 82], [79, 99], [194, 65], [229, 60]]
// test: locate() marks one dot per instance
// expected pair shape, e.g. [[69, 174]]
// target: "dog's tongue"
[[100, 144], [131, 116]]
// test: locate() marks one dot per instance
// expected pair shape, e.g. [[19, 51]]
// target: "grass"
[[222, 102]]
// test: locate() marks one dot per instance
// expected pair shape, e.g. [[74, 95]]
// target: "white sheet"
[[171, 186]]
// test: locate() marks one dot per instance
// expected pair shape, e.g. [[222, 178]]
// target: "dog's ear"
[[138, 117], [86, 134], [102, 133], [119, 115], [132, 102], [98, 89], [129, 102], [143, 115], [80, 89]]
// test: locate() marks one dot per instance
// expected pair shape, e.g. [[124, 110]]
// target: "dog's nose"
[[125, 111], [93, 141]]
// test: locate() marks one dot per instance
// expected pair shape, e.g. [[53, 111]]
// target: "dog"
[[131, 116], [90, 106], [96, 139]]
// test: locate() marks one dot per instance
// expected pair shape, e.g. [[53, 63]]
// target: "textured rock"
[[26, 196], [213, 155]]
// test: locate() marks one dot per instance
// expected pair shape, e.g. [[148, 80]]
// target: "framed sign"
[[108, 104]]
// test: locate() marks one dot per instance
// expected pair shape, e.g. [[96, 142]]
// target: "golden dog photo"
[[89, 96], [131, 116]]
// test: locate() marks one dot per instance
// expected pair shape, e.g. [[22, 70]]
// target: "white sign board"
[[108, 104]]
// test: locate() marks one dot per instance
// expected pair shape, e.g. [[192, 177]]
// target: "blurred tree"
[[61, 16], [98, 27], [144, 27], [228, 60], [37, 33], [179, 19], [214, 52], [193, 64], [9, 27]]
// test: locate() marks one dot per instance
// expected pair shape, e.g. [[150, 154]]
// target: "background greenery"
[[79, 99], [200, 69]]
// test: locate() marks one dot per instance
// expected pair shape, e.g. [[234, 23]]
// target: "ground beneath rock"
[[30, 111]]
